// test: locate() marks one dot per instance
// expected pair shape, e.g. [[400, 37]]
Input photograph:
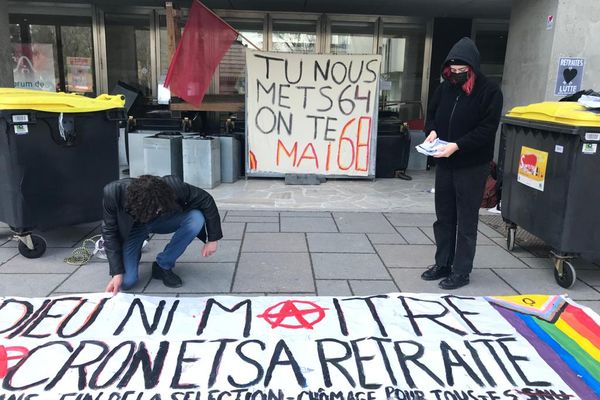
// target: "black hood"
[[464, 52]]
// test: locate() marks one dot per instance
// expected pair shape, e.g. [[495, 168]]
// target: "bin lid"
[[24, 99], [559, 112]]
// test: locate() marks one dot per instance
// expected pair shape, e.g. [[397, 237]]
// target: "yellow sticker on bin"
[[564, 112], [23, 99]]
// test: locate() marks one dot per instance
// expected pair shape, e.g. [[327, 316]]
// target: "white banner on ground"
[[385, 347], [311, 113]]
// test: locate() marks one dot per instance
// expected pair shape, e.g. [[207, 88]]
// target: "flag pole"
[[229, 26]]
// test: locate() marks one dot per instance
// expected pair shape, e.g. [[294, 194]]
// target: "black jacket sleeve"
[[193, 197], [485, 132], [110, 230], [431, 109]]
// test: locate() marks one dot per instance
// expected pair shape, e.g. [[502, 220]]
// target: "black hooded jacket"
[[470, 121]]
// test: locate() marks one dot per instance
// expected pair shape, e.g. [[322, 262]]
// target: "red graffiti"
[[5, 357], [298, 310]]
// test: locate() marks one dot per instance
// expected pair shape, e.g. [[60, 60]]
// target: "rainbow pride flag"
[[563, 333]]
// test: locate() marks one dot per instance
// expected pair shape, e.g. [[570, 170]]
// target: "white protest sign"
[[385, 347], [311, 113]]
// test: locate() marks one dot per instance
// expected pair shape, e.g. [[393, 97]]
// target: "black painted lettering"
[[371, 71], [265, 127], [404, 358], [287, 77], [372, 309], [359, 74], [181, 360], [267, 59], [323, 73], [514, 359], [334, 361], [259, 369], [217, 359], [170, 317], [453, 360], [137, 303], [386, 359], [360, 359], [341, 317], [27, 311], [91, 318], [31, 318], [316, 118], [12, 372], [72, 363], [280, 348], [305, 96], [431, 317], [270, 90], [329, 129], [283, 96], [342, 72], [94, 379], [150, 368], [282, 124]]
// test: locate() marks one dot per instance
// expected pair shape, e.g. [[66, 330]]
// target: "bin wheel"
[[567, 277], [510, 238], [39, 247]]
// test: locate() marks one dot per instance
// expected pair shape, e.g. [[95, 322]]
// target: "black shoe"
[[435, 272], [169, 278], [454, 281], [402, 175]]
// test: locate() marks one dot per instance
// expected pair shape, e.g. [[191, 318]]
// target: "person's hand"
[[431, 137], [446, 151], [209, 249], [114, 286]]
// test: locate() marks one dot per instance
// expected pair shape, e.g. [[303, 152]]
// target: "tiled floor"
[[300, 253]]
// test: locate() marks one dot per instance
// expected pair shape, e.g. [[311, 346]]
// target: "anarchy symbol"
[[5, 357], [305, 314]]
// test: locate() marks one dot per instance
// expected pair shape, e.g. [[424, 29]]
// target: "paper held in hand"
[[430, 148]]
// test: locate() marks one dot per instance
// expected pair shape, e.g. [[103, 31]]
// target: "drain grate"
[[524, 239]]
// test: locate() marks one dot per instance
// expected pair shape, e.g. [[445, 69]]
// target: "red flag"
[[204, 42]]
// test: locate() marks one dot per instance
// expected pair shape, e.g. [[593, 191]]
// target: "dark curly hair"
[[148, 197]]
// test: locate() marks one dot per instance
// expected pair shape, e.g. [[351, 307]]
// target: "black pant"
[[458, 195]]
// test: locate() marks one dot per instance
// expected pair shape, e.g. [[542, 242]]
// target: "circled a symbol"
[[294, 314]]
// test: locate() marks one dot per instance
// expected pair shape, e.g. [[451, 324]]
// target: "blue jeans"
[[186, 225]]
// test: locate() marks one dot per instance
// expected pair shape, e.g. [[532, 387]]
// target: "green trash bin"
[[57, 152], [550, 184]]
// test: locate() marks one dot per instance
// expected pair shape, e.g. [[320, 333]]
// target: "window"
[[402, 48], [352, 37], [128, 51], [294, 36], [53, 53], [232, 69]]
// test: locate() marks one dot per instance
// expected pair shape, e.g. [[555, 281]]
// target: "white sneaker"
[[145, 244], [99, 249]]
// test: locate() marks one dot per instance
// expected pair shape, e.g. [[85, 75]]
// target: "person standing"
[[465, 111], [135, 208]]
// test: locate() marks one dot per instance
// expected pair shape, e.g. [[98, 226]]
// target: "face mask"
[[458, 78]]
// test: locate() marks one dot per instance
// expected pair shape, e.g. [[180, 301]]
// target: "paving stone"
[[52, 262], [94, 277], [404, 219], [362, 222], [518, 250], [541, 281], [262, 227], [310, 214], [227, 251], [406, 256], [7, 253], [274, 242], [333, 287], [252, 213], [483, 283], [250, 219], [348, 266], [233, 230], [198, 278], [386, 238], [589, 276], [413, 235], [274, 272], [367, 288], [496, 257], [594, 305], [36, 285], [482, 240], [339, 243], [306, 224], [489, 232]]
